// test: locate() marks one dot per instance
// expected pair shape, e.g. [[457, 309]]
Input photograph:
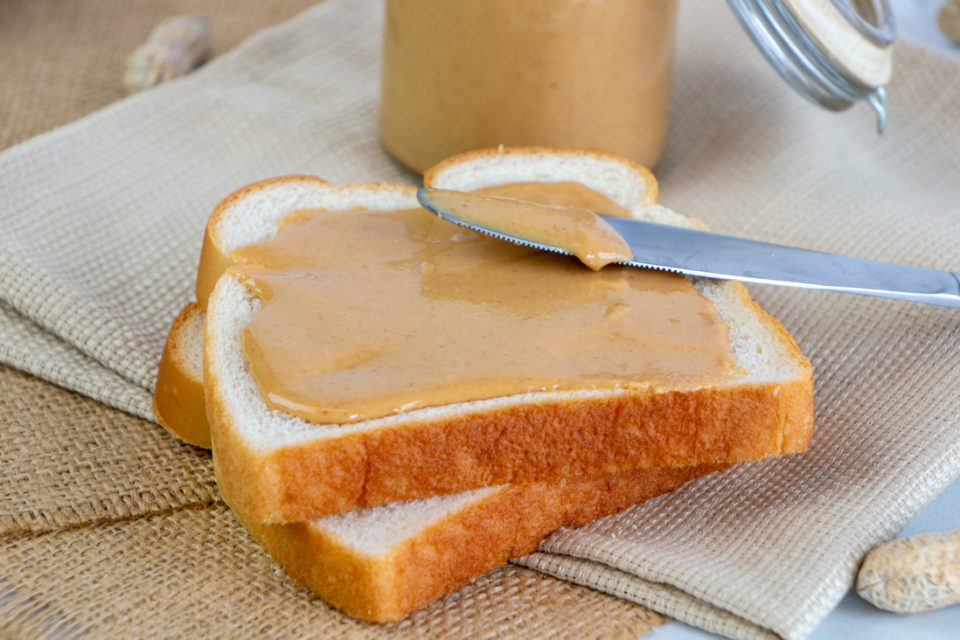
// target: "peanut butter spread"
[[575, 230], [371, 313]]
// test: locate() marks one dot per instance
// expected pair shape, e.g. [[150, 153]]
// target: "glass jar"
[[468, 74]]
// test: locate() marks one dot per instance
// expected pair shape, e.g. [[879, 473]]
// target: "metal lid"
[[833, 52]]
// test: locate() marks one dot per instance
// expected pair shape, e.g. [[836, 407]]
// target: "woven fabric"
[[68, 461], [194, 573], [43, 354], [117, 203]]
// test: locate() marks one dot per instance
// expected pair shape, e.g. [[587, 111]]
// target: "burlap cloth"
[[111, 528]]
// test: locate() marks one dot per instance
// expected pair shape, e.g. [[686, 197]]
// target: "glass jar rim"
[[835, 53]]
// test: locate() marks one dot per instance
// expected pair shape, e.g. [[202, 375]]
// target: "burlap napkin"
[[102, 219]]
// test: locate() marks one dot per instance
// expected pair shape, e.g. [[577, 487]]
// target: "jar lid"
[[833, 52]]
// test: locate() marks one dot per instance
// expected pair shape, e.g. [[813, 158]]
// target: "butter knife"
[[712, 255]]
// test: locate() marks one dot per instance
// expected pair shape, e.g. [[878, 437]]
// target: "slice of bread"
[[178, 402], [279, 468], [379, 564]]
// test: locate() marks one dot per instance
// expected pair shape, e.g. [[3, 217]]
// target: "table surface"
[[854, 617]]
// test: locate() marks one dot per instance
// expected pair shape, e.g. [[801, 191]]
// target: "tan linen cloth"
[[117, 202]]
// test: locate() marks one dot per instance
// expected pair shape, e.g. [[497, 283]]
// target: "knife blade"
[[712, 255]]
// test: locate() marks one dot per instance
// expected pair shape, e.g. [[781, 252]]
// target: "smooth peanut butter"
[[371, 313], [575, 230], [463, 75]]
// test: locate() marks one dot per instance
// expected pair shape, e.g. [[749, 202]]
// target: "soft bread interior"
[[625, 182], [378, 530], [763, 351], [191, 335]]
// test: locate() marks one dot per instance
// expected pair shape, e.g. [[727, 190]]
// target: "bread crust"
[[515, 444], [178, 399], [452, 550], [179, 406]]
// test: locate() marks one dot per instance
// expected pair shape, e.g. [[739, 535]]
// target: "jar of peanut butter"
[[468, 74]]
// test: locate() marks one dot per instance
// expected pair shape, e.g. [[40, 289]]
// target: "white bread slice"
[[279, 468], [178, 402], [379, 564]]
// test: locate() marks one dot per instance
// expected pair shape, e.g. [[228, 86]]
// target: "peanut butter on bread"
[[373, 313], [281, 468]]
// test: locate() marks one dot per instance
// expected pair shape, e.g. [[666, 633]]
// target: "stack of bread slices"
[[346, 510]]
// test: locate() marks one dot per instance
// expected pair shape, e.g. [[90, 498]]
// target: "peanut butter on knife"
[[576, 230]]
